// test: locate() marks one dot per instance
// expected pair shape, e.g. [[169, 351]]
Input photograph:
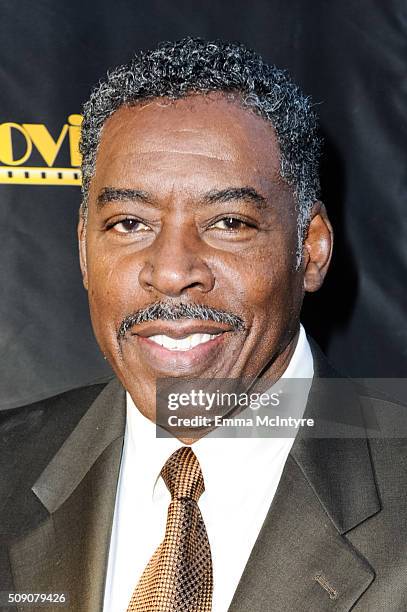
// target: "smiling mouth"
[[182, 344], [172, 348]]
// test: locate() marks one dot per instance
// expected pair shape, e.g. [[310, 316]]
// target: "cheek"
[[264, 281], [113, 291]]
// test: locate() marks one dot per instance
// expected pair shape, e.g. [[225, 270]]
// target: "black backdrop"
[[350, 56]]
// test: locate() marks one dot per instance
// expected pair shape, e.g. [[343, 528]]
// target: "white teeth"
[[182, 344]]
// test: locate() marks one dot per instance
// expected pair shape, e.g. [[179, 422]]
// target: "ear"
[[318, 246], [82, 250]]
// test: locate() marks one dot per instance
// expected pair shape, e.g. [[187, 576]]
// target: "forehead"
[[192, 138]]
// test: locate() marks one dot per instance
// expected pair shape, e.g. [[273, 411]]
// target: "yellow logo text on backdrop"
[[17, 169]]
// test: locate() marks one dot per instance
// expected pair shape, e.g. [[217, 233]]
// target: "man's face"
[[187, 206]]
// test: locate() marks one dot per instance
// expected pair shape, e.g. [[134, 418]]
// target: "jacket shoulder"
[[31, 435]]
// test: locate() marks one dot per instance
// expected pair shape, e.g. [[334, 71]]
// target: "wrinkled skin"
[[174, 244]]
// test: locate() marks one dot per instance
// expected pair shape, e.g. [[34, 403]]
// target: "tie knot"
[[182, 474]]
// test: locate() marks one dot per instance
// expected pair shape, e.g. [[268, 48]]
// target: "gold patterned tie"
[[178, 577]]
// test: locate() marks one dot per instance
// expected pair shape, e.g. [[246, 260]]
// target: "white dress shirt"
[[241, 477]]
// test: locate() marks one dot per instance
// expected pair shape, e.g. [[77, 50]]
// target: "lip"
[[179, 329], [176, 363], [172, 363]]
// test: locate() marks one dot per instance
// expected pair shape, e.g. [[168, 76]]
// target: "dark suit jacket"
[[335, 537]]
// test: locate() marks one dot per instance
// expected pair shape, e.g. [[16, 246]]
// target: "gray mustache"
[[174, 312]]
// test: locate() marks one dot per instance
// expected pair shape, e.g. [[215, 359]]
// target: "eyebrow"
[[112, 194], [236, 193]]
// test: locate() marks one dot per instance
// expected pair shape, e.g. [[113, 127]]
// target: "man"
[[200, 231]]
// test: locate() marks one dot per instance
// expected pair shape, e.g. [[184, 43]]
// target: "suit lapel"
[[67, 552], [302, 559]]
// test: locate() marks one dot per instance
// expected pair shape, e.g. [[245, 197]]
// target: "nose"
[[174, 264]]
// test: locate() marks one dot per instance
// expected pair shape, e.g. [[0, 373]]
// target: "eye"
[[128, 226], [231, 224]]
